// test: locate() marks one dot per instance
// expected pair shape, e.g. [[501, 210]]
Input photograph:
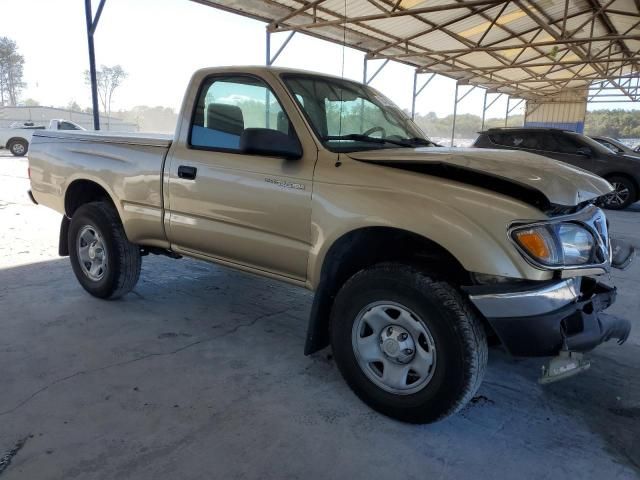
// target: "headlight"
[[560, 244]]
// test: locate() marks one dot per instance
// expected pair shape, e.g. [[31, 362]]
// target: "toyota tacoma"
[[419, 256]]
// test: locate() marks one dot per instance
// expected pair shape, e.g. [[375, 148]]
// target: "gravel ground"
[[200, 374]]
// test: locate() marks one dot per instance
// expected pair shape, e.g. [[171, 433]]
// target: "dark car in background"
[[622, 171], [617, 146]]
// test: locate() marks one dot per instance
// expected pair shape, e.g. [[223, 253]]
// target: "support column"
[[92, 23], [267, 56], [418, 91], [365, 64], [365, 78], [484, 109], [506, 117], [455, 109], [269, 60], [413, 96], [455, 112]]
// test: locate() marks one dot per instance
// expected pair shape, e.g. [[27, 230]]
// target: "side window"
[[67, 126], [530, 141], [566, 144], [513, 140], [611, 146], [549, 143], [499, 139], [229, 105]]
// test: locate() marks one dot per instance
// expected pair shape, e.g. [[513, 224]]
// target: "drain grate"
[[5, 460]]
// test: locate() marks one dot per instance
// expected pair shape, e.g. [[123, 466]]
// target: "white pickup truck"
[[17, 137]]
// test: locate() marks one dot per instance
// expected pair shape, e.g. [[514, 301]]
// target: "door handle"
[[186, 172]]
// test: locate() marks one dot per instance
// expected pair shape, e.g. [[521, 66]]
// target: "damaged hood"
[[560, 183]]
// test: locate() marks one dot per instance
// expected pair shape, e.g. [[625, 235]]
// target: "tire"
[[625, 194], [114, 268], [18, 147], [457, 343]]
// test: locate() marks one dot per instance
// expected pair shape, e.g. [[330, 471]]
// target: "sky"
[[161, 42]]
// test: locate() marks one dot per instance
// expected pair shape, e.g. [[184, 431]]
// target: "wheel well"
[[628, 177], [81, 192], [367, 246], [16, 139], [364, 247]]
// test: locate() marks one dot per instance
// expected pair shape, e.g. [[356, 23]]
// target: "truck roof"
[[258, 69]]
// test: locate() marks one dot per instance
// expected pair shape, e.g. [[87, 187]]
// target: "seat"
[[225, 118], [283, 123]]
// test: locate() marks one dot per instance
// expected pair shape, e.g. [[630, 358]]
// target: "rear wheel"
[[18, 147], [625, 193], [105, 263], [409, 346]]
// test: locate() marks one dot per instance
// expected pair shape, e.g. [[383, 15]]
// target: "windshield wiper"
[[415, 141], [359, 137]]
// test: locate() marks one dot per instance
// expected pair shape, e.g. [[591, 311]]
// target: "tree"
[[73, 105], [107, 79], [11, 71], [30, 102]]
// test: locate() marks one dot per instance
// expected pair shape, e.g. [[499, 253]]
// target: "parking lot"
[[200, 374]]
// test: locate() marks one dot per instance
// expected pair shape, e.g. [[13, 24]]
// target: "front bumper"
[[540, 320]]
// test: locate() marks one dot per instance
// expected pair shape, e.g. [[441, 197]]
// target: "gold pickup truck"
[[418, 255]]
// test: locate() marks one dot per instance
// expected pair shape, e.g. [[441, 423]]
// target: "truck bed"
[[127, 167], [147, 139]]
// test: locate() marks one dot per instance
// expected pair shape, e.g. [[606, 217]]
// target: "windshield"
[[348, 116]]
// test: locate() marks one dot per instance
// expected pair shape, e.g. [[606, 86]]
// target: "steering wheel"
[[375, 129]]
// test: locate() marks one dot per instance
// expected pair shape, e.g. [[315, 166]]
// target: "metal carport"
[[539, 51]]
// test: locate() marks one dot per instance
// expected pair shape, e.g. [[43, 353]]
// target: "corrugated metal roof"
[[526, 48]]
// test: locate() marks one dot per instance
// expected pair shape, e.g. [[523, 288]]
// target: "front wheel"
[[623, 195], [105, 263], [408, 346]]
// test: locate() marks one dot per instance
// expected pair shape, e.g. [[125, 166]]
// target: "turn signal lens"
[[534, 243], [540, 244]]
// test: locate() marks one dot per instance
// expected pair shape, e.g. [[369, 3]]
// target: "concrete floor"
[[200, 374]]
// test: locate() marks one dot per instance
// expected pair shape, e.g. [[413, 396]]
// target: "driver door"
[[247, 210]]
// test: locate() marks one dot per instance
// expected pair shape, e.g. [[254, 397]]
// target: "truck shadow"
[[253, 329]]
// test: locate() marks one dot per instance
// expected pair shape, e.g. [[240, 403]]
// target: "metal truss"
[[546, 58]]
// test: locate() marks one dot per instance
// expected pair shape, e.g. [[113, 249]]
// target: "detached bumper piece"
[[622, 253], [565, 365], [573, 320]]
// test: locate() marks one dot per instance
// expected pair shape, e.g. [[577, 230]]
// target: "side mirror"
[[272, 143], [584, 151]]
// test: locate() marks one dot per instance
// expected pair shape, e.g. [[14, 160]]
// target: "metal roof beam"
[[390, 14], [496, 48], [372, 53], [274, 25], [544, 24]]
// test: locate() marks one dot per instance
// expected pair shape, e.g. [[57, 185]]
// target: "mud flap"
[[63, 242]]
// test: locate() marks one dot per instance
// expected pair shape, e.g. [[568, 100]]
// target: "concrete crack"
[[143, 357]]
